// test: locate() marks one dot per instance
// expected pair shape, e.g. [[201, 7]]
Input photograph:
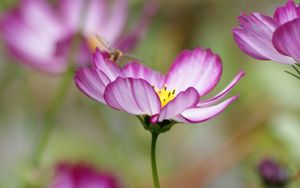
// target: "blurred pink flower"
[[80, 175], [271, 38], [177, 96], [41, 35], [273, 174]]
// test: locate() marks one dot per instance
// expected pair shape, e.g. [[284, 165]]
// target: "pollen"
[[165, 95]]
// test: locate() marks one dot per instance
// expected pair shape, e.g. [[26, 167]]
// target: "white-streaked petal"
[[184, 100], [254, 37], [286, 13], [135, 96], [201, 114], [110, 68], [224, 92], [199, 68], [137, 70], [91, 82]]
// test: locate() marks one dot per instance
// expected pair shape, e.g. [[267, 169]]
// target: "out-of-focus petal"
[[110, 68], [82, 15], [223, 93], [286, 39], [201, 114], [182, 101], [22, 33], [254, 37], [95, 16], [92, 82], [200, 69], [129, 40], [71, 10], [287, 13], [137, 70], [82, 175], [115, 21], [135, 96]]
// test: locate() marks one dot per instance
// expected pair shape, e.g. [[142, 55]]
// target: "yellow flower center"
[[165, 96]]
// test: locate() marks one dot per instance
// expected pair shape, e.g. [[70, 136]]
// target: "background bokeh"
[[222, 153]]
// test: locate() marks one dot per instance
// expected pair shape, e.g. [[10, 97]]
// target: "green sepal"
[[156, 128]]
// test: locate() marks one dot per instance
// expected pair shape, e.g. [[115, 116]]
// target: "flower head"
[[141, 91], [41, 35], [274, 38], [80, 175], [272, 173]]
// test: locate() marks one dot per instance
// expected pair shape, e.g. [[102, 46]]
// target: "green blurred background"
[[222, 153]]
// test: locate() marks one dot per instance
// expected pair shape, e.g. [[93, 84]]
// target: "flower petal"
[[81, 175], [102, 63], [130, 40], [254, 37], [95, 16], [115, 21], [286, 39], [200, 69], [92, 11], [137, 70], [92, 82], [182, 101], [223, 93], [135, 96], [71, 10], [22, 33], [201, 114], [287, 13]]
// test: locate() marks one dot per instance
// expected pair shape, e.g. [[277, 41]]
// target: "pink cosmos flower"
[[141, 91], [81, 176], [41, 35], [271, 38]]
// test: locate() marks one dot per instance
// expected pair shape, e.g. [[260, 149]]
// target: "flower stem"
[[50, 115], [153, 160]]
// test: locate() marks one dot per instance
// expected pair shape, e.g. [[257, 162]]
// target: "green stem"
[[60, 95], [8, 75], [50, 115], [153, 160]]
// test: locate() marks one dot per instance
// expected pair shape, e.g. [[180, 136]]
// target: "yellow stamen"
[[165, 95]]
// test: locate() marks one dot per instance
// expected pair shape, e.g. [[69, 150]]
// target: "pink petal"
[[102, 63], [223, 93], [130, 40], [254, 37], [287, 13], [135, 96], [201, 114], [200, 69], [137, 70], [95, 16], [91, 82], [39, 14], [115, 21], [84, 15], [81, 175], [286, 39], [22, 33], [71, 10], [182, 101]]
